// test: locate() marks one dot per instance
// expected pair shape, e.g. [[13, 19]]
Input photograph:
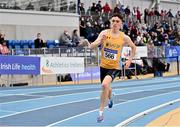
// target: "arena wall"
[[17, 24]]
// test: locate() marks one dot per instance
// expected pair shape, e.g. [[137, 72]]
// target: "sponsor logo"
[[112, 45]]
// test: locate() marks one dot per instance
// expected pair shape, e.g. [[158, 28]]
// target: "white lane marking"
[[49, 106], [54, 124], [34, 99], [10, 111], [125, 89], [46, 107], [74, 87], [45, 90], [133, 118]]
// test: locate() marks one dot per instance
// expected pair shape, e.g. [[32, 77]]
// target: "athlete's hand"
[[86, 43], [100, 39], [128, 63], [103, 37]]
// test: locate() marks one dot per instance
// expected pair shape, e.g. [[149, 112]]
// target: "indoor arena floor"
[[146, 102]]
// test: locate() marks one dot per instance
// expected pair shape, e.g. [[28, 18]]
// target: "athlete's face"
[[116, 23]]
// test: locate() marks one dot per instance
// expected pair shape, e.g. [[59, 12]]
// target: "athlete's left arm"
[[129, 42]]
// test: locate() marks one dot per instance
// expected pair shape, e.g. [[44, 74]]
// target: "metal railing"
[[92, 62]]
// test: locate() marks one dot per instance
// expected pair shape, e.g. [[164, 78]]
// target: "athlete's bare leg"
[[110, 92], [106, 90]]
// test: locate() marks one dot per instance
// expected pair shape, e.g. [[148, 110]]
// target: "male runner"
[[112, 41]]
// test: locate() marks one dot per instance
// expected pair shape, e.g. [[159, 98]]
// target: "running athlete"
[[112, 41]]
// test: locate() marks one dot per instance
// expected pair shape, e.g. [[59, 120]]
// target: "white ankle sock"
[[100, 113]]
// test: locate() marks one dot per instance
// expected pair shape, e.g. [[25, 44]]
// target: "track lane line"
[[141, 114], [123, 89], [79, 115]]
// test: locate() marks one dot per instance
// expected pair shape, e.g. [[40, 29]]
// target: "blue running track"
[[77, 105]]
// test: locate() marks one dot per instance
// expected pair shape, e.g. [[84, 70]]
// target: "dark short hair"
[[74, 31], [117, 15]]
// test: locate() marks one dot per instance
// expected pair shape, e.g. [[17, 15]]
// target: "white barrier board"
[[141, 51], [61, 65]]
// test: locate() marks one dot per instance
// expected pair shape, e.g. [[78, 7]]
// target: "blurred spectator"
[[150, 46], [162, 15], [158, 67], [139, 14], [93, 9], [127, 10], [107, 24], [178, 17], [81, 9], [89, 32], [72, 7], [125, 28], [139, 65], [106, 8], [77, 40], [64, 78], [16, 7], [43, 8], [65, 39], [156, 41], [29, 6], [122, 10], [99, 7], [90, 19], [169, 14], [38, 42], [134, 14], [3, 6], [63, 6], [88, 12], [151, 17], [146, 11], [127, 14], [116, 9], [157, 30], [157, 12], [50, 7], [100, 21], [3, 48], [139, 40], [170, 17], [2, 37], [97, 27], [82, 27], [133, 33]]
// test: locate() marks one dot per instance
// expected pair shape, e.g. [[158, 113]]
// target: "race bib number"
[[110, 54]]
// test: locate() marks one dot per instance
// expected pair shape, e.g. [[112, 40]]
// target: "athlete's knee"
[[105, 86]]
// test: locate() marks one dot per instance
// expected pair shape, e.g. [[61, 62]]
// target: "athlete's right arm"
[[100, 39]]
